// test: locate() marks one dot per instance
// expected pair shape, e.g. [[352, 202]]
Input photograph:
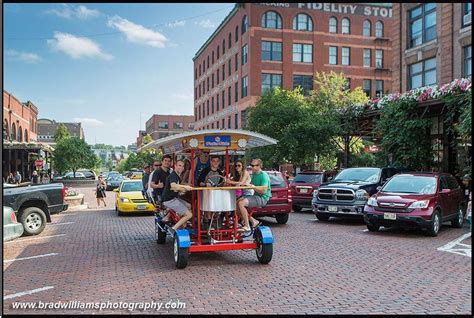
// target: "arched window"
[[271, 20], [236, 33], [6, 130], [379, 29], [302, 22], [20, 134], [367, 28], [13, 133], [333, 25], [346, 26], [245, 24], [26, 135], [230, 40]]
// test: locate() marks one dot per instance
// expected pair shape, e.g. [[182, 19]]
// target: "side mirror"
[[115, 190], [379, 188], [330, 179], [445, 190]]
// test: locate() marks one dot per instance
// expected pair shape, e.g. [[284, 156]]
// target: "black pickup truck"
[[348, 192], [35, 204]]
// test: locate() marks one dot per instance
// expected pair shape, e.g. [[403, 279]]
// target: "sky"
[[134, 61]]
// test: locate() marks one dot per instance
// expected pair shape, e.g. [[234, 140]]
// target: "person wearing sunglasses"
[[259, 199], [240, 177], [146, 176], [161, 173]]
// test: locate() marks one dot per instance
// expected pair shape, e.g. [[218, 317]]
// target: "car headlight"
[[372, 202], [419, 204], [362, 195], [124, 200], [315, 193]]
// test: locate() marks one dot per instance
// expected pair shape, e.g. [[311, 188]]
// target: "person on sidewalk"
[[100, 191], [34, 177]]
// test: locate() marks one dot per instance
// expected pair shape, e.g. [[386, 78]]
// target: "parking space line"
[[62, 223], [30, 239], [28, 292], [453, 246], [30, 257]]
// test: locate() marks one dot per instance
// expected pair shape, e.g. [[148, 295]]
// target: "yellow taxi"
[[130, 198], [137, 175]]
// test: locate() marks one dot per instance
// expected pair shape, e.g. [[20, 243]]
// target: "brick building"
[[160, 126], [262, 45], [429, 41], [47, 129]]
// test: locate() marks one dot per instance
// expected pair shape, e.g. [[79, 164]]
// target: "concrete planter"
[[75, 200]]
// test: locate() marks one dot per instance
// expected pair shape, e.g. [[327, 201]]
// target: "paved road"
[[317, 267]]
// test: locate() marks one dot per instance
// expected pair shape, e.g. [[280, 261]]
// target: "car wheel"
[[264, 251], [181, 254], [297, 208], [33, 220], [373, 227], [459, 220], [118, 212], [282, 218], [435, 224], [322, 217]]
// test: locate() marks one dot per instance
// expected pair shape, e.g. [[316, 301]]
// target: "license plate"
[[303, 190], [141, 207], [332, 208], [390, 216]]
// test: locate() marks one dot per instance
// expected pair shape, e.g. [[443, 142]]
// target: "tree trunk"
[[346, 150]]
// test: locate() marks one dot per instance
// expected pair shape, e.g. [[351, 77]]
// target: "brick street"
[[317, 268]]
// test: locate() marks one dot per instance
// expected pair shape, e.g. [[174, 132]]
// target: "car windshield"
[[307, 178], [131, 186], [356, 174], [115, 177], [276, 180], [411, 184]]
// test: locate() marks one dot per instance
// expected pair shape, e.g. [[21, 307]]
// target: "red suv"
[[422, 200], [303, 185], [279, 205]]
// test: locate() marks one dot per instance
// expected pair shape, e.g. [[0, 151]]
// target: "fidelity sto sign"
[[358, 9]]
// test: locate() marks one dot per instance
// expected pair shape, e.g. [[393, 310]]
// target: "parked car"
[[111, 173], [89, 174], [348, 192], [34, 204], [11, 228], [130, 198], [303, 185], [419, 200], [279, 205], [114, 181], [71, 176]]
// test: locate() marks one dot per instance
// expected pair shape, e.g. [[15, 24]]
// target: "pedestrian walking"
[[100, 191], [17, 177]]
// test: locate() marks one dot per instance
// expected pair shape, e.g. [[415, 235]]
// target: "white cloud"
[[89, 122], [136, 33], [68, 11], [176, 24], [77, 47], [23, 56], [206, 24]]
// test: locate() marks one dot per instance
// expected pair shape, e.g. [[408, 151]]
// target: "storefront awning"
[[15, 145]]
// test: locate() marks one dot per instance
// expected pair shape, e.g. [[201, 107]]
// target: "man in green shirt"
[[259, 199]]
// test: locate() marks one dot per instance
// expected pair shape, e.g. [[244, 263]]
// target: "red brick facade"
[[160, 126], [211, 61], [452, 36], [19, 119]]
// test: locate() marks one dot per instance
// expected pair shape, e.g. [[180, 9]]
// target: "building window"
[[230, 67], [422, 73], [218, 52], [245, 24], [422, 24], [195, 114], [195, 74], [178, 125], [378, 88], [223, 71], [223, 99], [245, 83], [367, 28], [466, 14], [212, 126], [217, 76], [195, 93], [333, 55], [303, 81], [163, 125], [207, 106], [245, 51], [236, 92], [271, 20], [367, 62], [379, 58], [212, 105], [333, 25], [208, 64], [467, 61], [230, 40], [271, 51], [346, 56], [236, 61], [191, 126], [208, 84], [302, 22], [270, 81], [199, 69], [217, 124], [203, 66], [236, 36], [217, 102], [223, 123], [346, 26], [302, 53], [229, 96], [379, 29], [367, 87], [236, 121], [199, 112], [223, 46], [228, 122], [212, 81], [212, 57]]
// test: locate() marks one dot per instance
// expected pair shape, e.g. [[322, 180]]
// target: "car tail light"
[[13, 217], [63, 192], [290, 197]]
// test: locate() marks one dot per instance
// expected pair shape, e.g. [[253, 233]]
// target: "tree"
[[74, 153], [61, 133], [109, 164], [147, 139]]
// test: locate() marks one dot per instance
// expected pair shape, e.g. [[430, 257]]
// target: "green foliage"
[[74, 153], [61, 133], [147, 139], [138, 160]]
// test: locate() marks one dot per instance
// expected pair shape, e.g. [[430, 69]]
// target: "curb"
[[77, 208]]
